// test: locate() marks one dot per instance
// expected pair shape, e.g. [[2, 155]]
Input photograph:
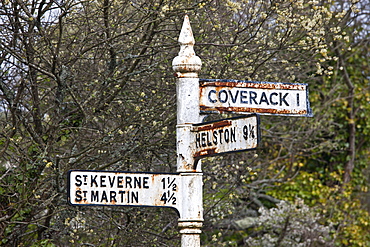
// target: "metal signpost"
[[195, 140], [186, 66]]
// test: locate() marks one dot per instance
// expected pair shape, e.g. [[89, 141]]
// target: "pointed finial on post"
[[186, 64]]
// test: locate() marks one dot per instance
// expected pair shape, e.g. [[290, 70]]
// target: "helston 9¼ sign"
[[254, 97], [227, 135], [101, 188]]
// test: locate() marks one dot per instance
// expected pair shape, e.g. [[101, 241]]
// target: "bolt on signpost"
[[183, 190]]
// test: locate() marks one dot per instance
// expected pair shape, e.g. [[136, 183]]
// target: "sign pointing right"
[[225, 136], [288, 99]]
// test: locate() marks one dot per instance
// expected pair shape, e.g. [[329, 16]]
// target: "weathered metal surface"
[[186, 67], [103, 188], [289, 99], [185, 158], [186, 62], [228, 135], [190, 232], [192, 190]]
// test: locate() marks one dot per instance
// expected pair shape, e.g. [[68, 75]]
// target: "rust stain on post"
[[220, 124], [252, 110], [205, 152], [261, 85]]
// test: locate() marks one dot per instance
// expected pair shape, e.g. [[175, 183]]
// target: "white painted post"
[[187, 65]]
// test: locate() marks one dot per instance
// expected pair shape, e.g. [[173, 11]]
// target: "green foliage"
[[311, 189], [338, 206], [44, 243], [89, 85], [292, 224]]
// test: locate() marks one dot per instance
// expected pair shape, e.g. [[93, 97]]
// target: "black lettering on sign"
[[94, 196], [232, 135], [112, 196], [146, 182], [197, 140], [272, 100], [243, 97], [251, 131], [215, 137], [104, 196], [220, 134], [111, 180], [297, 99], [128, 182], [174, 187], [210, 98], [204, 139], [245, 132], [223, 99], [168, 197], [93, 181], [78, 180], [137, 182], [252, 97], [227, 136], [282, 99], [121, 193], [171, 182], [134, 197], [233, 99], [264, 99], [119, 182], [78, 196], [102, 181], [209, 143]]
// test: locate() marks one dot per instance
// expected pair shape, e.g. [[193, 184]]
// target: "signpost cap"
[[186, 61]]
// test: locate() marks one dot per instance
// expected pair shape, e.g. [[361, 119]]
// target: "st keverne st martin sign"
[[110, 188]]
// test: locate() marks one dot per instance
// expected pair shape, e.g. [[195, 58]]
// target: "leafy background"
[[89, 85]]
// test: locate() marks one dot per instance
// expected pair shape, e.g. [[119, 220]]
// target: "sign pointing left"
[[102, 188]]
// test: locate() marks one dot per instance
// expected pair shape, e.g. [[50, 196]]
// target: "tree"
[[289, 41], [72, 98]]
